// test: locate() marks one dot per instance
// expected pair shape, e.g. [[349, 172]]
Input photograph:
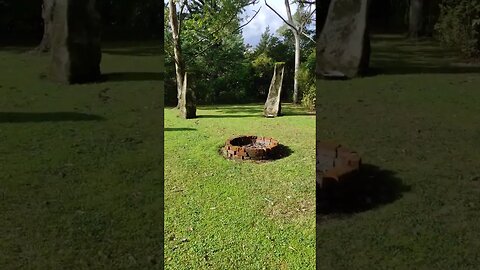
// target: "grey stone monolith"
[[273, 105], [188, 107], [76, 50], [343, 47]]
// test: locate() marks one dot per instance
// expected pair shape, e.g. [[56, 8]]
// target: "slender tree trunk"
[[297, 30], [297, 67], [415, 18], [179, 64], [296, 34], [47, 16]]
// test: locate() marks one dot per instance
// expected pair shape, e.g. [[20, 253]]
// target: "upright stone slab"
[[76, 52], [188, 108], [273, 105], [343, 47]]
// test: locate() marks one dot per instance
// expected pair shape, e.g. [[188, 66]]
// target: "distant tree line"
[[226, 70], [455, 23], [21, 20]]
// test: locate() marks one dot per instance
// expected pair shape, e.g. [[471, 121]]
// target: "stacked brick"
[[250, 148], [335, 163]]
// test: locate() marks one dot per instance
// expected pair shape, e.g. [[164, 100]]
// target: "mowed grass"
[[81, 169], [224, 214], [419, 118]]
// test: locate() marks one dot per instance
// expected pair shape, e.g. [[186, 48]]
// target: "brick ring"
[[335, 163], [250, 148]]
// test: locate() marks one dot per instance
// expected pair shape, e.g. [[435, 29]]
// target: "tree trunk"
[[297, 67], [47, 15], [415, 19], [297, 30], [296, 34], [179, 64]]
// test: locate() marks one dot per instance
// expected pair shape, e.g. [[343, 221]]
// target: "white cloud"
[[266, 17]]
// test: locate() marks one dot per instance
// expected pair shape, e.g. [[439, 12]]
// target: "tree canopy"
[[225, 69], [21, 20]]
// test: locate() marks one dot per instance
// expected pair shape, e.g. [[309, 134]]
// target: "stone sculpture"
[[273, 105], [76, 50]]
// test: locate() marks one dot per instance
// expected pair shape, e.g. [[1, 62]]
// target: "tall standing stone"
[[76, 51], [343, 47], [188, 108], [273, 105]]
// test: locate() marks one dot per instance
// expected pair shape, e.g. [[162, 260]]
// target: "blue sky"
[[266, 17]]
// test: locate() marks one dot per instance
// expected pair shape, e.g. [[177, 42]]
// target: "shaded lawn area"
[[80, 166], [423, 130], [223, 214]]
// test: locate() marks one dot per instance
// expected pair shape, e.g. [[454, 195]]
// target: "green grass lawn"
[[418, 120], [81, 168], [224, 214]]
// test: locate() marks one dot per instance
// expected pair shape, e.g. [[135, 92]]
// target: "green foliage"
[[306, 46], [306, 81], [262, 67], [309, 97], [269, 44], [21, 20], [225, 70], [213, 51], [269, 50], [222, 74], [459, 26]]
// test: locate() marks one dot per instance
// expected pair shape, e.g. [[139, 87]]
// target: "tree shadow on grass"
[[297, 113], [180, 129], [404, 68], [230, 116], [20, 49], [254, 116], [24, 117], [135, 51], [398, 55], [371, 187], [254, 107], [242, 110], [133, 76], [250, 109], [228, 110]]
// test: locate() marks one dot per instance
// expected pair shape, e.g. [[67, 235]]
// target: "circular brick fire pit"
[[250, 148], [335, 163]]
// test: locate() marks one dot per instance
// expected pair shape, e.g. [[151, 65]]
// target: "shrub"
[[306, 81], [309, 97], [459, 26], [262, 67]]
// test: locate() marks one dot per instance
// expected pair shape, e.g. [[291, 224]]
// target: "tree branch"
[[216, 40], [311, 14], [233, 17], [307, 18], [280, 16], [308, 36], [180, 17], [245, 24], [306, 2], [289, 12]]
